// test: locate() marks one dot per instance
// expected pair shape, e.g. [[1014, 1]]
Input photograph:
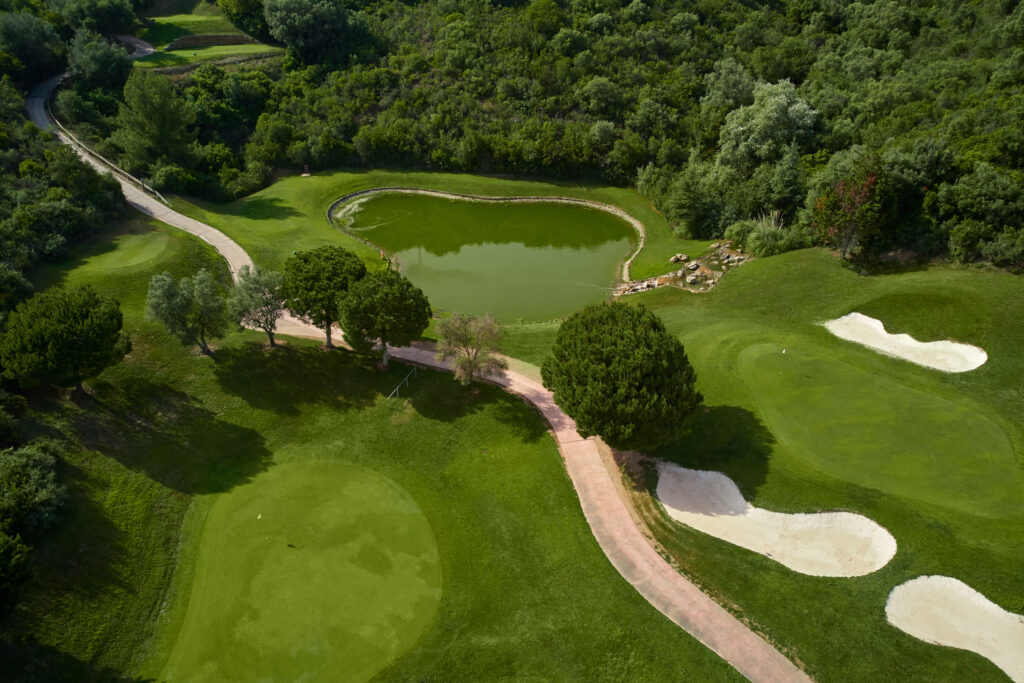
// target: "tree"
[[759, 133], [256, 300], [63, 337], [384, 308], [95, 63], [13, 565], [852, 212], [313, 30], [193, 309], [153, 121], [314, 281], [100, 16], [471, 341], [29, 492], [33, 44], [617, 372]]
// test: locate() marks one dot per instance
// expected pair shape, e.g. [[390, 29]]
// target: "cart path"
[[605, 511]]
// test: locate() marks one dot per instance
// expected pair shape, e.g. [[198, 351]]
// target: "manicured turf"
[[195, 55], [205, 19], [933, 457], [293, 210], [171, 452], [313, 568]]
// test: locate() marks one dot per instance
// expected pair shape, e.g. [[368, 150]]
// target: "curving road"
[[605, 511]]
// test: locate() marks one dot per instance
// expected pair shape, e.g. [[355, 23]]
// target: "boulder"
[[693, 266], [691, 280]]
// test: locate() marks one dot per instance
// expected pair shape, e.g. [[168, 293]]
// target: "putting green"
[[313, 571], [861, 427]]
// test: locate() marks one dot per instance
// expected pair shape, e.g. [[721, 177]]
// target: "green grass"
[[315, 566], [830, 425], [204, 19], [172, 452], [196, 55], [293, 210]]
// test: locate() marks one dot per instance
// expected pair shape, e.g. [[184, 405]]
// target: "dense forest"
[[875, 128]]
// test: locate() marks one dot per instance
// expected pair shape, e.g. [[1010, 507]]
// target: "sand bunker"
[[819, 544], [948, 356], [945, 611]]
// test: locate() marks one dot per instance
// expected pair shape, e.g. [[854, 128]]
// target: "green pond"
[[516, 261]]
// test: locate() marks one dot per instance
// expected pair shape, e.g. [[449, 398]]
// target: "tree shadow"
[[168, 435], [727, 439], [26, 660], [54, 271], [260, 208], [285, 378], [439, 396]]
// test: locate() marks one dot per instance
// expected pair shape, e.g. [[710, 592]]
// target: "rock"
[[716, 245], [693, 266], [679, 258], [691, 280]]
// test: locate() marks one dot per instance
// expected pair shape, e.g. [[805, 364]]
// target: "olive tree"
[[192, 309], [620, 375], [470, 341], [257, 300]]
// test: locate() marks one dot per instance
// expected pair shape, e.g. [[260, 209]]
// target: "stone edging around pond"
[[607, 208]]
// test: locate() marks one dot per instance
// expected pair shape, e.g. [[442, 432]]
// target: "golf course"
[[314, 529]]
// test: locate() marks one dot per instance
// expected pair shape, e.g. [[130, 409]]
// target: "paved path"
[[140, 48], [605, 511]]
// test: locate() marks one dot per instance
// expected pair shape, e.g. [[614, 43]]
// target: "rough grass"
[[168, 434]]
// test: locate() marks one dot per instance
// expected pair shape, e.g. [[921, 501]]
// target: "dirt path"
[[606, 513]]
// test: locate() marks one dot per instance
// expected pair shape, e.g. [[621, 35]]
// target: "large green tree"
[[154, 122], [62, 336], [193, 309], [383, 308], [617, 372], [315, 280], [257, 299], [313, 30], [94, 63]]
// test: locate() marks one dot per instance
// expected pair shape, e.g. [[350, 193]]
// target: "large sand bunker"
[[948, 356], [819, 544], [945, 611]]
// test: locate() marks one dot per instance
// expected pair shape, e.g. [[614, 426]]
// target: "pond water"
[[516, 261]]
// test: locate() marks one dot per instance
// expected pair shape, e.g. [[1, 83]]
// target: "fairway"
[[515, 261], [314, 571]]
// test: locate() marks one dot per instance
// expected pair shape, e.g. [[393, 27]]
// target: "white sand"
[[948, 356], [945, 611], [819, 544]]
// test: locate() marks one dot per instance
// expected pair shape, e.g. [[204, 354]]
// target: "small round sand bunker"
[[945, 611], [947, 356], [818, 544]]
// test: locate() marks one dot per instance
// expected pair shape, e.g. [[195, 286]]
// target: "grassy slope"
[[204, 19], [100, 574], [293, 212], [521, 569]]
